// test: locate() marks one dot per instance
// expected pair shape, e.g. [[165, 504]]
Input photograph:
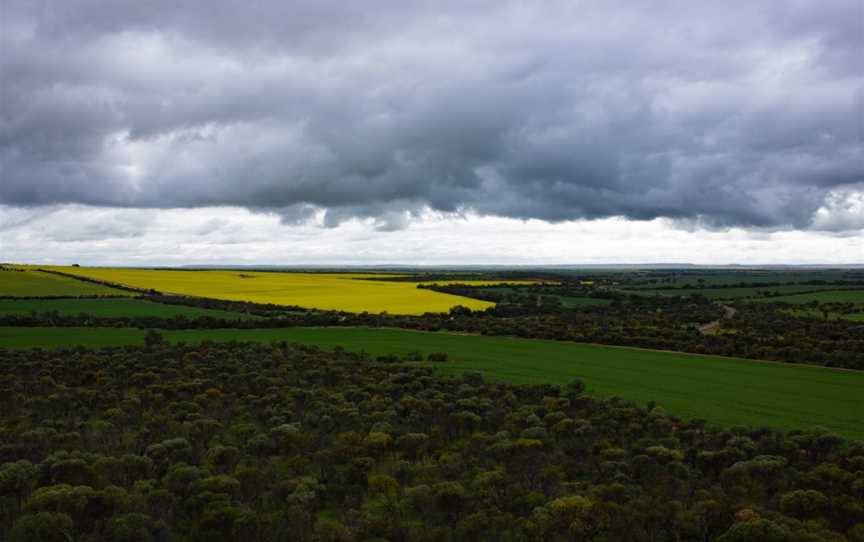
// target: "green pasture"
[[816, 313], [770, 276], [36, 283], [736, 293], [829, 296], [720, 390], [566, 302], [108, 308], [67, 337], [709, 278]]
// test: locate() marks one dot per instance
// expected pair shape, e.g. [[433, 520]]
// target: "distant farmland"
[[123, 307], [566, 301], [734, 293], [816, 313], [720, 390], [351, 292], [32, 283], [828, 296]]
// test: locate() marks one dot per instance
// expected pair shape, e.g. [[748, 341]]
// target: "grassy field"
[[719, 278], [35, 283], [733, 293], [816, 313], [719, 390], [567, 302], [339, 291], [66, 337], [110, 308], [830, 296]]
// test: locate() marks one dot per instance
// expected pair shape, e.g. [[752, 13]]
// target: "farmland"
[[350, 292], [708, 278], [816, 313], [30, 283], [567, 301], [257, 396], [122, 307], [720, 390], [828, 296], [736, 293], [60, 337]]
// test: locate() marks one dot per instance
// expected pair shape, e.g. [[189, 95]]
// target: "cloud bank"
[[70, 234], [736, 114]]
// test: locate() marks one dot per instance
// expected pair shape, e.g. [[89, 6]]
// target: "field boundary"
[[618, 346], [471, 334]]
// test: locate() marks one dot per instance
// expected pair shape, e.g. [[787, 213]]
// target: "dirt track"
[[714, 327]]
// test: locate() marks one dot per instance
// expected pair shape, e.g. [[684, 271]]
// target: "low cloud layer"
[[735, 114], [230, 235]]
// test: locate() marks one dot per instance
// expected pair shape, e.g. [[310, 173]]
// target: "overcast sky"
[[431, 132]]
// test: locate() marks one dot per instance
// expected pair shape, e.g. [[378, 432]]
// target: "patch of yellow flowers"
[[352, 292]]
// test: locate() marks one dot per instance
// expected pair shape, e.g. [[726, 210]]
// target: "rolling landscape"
[[694, 365], [317, 271]]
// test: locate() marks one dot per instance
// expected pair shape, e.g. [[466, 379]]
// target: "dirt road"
[[714, 327]]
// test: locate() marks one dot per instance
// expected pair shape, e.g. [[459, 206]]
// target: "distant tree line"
[[468, 275], [257, 309], [115, 285], [530, 297]]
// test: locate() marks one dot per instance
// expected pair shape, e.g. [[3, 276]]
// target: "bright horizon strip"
[[67, 234]]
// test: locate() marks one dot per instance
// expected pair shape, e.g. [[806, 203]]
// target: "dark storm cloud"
[[743, 113]]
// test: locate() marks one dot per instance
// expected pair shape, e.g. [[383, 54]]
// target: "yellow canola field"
[[328, 291]]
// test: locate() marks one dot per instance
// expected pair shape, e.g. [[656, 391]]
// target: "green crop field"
[[830, 296], [720, 390], [35, 283], [566, 301], [732, 293], [330, 291], [67, 337], [109, 308], [816, 313], [770, 276]]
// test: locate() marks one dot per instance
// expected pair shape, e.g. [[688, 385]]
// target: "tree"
[[803, 504], [574, 389], [16, 480], [153, 339], [757, 530], [132, 527], [43, 527], [576, 515]]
